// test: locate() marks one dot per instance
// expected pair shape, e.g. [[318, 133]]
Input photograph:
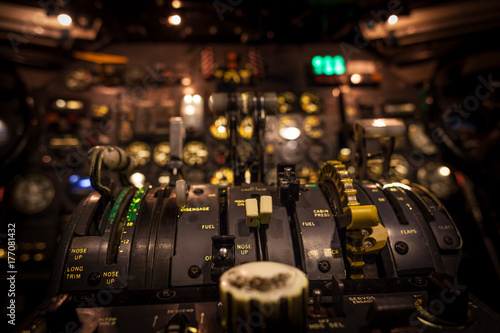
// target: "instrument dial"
[[161, 154], [245, 151], [79, 79], [245, 130], [33, 193], [195, 153], [309, 102], [140, 152], [222, 176], [399, 168], [438, 178], [313, 127], [288, 128], [219, 129], [285, 101]]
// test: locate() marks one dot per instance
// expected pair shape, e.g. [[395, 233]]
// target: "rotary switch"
[[264, 295]]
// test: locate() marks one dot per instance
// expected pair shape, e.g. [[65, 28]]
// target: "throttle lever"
[[115, 159]]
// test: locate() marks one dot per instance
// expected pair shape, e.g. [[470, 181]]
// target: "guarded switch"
[[252, 212], [266, 209]]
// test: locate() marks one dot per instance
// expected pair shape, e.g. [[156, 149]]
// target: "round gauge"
[[245, 130], [33, 193], [140, 152], [437, 178], [161, 154], [245, 152], [285, 101], [291, 152], [219, 152], [195, 153], [79, 79], [420, 140], [313, 127], [222, 176], [219, 129], [309, 102], [399, 168], [288, 128], [4, 133]]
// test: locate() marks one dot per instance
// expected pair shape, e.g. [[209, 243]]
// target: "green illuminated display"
[[328, 65], [317, 63]]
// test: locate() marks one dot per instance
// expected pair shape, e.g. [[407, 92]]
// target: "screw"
[[365, 232], [94, 278], [401, 247], [194, 271], [165, 294], [448, 239], [324, 266], [368, 244], [223, 252]]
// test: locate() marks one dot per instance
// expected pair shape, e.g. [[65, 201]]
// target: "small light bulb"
[[392, 19], [356, 78], [174, 20], [196, 99], [64, 19], [176, 4], [444, 171]]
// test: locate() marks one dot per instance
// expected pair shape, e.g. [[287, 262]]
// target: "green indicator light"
[[133, 210], [317, 63], [328, 65], [338, 65]]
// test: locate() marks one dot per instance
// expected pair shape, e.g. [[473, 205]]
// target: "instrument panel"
[[126, 96], [129, 104]]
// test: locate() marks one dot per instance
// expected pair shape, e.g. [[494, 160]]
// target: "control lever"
[[288, 193], [235, 106], [385, 130], [352, 217], [114, 159], [223, 249], [288, 183], [177, 136]]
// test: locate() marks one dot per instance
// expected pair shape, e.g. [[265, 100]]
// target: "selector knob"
[[264, 295]]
